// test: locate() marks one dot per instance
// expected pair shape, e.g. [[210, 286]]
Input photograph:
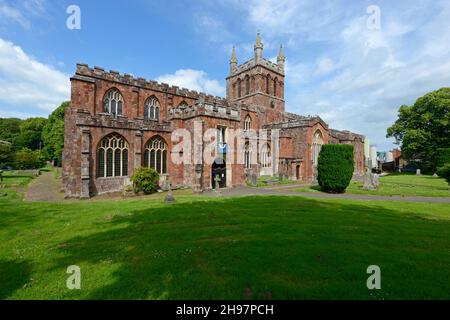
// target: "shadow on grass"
[[260, 248], [15, 275]]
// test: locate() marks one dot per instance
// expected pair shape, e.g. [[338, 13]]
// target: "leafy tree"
[[423, 128], [9, 129], [30, 134], [53, 134], [444, 172], [336, 167], [6, 155], [28, 159]]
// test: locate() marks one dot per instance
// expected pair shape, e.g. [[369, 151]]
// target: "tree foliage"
[[9, 129], [30, 135], [28, 159], [6, 155], [423, 128], [53, 134], [336, 166]]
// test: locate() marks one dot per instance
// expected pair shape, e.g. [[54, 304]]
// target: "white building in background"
[[389, 157], [373, 157]]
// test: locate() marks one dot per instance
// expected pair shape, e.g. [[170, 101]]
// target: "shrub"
[[145, 180], [444, 172], [336, 166], [28, 159], [443, 157]]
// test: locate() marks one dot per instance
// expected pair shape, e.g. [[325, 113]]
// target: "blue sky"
[[354, 77]]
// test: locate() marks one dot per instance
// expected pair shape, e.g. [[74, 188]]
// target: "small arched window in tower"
[[267, 84], [239, 88], [155, 155], [247, 123], [247, 155], [113, 103], [247, 85], [151, 109], [112, 157], [266, 161], [275, 87]]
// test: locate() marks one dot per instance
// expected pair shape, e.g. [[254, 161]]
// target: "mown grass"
[[12, 179], [399, 185], [230, 248]]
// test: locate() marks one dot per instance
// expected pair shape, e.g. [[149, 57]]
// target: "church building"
[[116, 123]]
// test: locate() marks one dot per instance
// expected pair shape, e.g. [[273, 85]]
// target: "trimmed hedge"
[[145, 180], [335, 168], [442, 157]]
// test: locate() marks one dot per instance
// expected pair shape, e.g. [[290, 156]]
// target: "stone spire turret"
[[281, 59], [233, 60], [258, 47]]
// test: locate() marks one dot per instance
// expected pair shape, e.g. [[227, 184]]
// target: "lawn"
[[399, 185], [12, 179], [223, 248]]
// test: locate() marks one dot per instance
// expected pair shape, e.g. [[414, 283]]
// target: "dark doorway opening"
[[297, 172], [219, 169]]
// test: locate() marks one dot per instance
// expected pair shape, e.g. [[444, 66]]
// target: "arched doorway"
[[297, 172], [219, 169]]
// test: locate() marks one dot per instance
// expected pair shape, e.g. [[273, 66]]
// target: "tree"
[[53, 134], [30, 134], [145, 180], [423, 128], [6, 155], [28, 159], [9, 129], [336, 167]]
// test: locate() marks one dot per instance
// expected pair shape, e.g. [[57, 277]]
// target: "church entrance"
[[219, 170], [297, 172]]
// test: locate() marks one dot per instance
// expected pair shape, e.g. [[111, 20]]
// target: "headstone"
[[435, 175], [253, 179], [217, 181], [370, 181], [1, 175], [418, 172], [169, 197]]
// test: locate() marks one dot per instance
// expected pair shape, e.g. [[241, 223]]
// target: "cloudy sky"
[[340, 65]]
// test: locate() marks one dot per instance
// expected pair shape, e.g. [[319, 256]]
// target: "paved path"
[[246, 191], [44, 188]]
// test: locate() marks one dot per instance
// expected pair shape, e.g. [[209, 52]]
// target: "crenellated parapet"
[[204, 108], [86, 73]]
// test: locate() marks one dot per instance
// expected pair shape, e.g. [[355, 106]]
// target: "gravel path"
[[44, 188], [245, 191]]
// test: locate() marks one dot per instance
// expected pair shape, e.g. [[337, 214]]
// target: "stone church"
[[117, 123]]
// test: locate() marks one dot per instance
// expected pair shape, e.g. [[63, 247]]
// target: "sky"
[[353, 63]]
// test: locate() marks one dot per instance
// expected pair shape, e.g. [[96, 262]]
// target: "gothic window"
[[247, 155], [113, 103], [239, 88], [151, 109], [316, 147], [275, 87], [247, 85], [265, 156], [155, 155], [247, 123], [267, 84], [112, 157]]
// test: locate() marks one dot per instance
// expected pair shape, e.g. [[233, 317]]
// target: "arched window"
[[266, 161], [267, 84], [155, 155], [247, 155], [247, 85], [151, 109], [275, 87], [316, 147], [183, 105], [113, 103], [239, 88], [112, 157], [247, 123]]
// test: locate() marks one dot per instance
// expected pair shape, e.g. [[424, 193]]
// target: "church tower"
[[257, 81]]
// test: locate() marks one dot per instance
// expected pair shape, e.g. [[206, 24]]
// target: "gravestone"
[[418, 172], [169, 197], [435, 175], [370, 181], [1, 175], [253, 179], [217, 182]]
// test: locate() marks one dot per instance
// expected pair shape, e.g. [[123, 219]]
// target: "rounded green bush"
[[444, 172], [145, 180], [335, 168]]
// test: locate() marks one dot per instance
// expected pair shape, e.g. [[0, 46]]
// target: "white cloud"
[[194, 80], [8, 13], [324, 66], [24, 81]]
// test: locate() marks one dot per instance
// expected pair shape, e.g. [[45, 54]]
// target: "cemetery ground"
[[250, 247]]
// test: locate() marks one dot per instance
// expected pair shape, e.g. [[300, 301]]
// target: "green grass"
[[13, 179], [399, 185], [268, 181], [223, 248]]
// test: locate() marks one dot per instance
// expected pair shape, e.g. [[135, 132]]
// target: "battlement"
[[203, 108], [253, 63], [84, 72]]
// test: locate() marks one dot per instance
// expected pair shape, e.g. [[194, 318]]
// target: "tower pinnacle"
[[233, 60], [281, 59], [258, 47]]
